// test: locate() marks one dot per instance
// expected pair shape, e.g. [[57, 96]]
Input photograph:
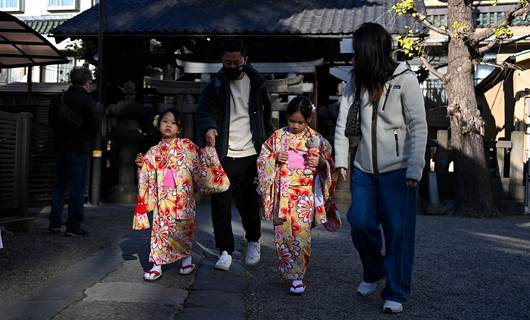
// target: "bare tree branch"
[[517, 11], [433, 70], [423, 19], [492, 44], [488, 47]]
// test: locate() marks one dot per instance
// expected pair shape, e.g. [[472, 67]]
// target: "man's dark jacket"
[[71, 139], [214, 110]]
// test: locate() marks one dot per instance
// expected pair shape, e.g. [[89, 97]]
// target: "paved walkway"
[[465, 269], [47, 276]]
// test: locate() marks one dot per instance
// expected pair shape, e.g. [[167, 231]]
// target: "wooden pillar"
[[30, 84], [42, 74], [320, 96]]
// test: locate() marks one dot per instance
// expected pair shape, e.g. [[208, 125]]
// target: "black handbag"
[[353, 121]]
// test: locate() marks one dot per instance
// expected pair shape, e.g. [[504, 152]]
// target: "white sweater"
[[240, 137], [399, 131]]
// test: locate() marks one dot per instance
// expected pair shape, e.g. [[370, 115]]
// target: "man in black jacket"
[[234, 115], [75, 125]]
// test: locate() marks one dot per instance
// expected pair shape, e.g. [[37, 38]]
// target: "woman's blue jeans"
[[384, 200]]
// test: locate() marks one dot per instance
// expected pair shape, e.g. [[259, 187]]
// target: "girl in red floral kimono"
[[169, 174], [294, 171]]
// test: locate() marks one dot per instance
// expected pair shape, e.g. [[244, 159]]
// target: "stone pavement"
[[465, 269], [100, 277]]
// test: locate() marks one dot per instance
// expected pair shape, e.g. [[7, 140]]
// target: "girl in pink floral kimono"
[[295, 183], [169, 174]]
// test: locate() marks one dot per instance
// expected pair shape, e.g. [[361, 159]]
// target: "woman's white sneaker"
[[366, 288], [224, 262], [392, 307], [253, 254]]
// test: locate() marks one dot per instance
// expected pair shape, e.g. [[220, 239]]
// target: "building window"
[[62, 4], [11, 5], [482, 19]]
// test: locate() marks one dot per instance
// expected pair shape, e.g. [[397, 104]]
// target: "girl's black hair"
[[374, 66], [300, 104], [176, 114]]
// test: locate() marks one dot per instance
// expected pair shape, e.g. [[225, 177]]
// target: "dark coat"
[[71, 139], [214, 110]]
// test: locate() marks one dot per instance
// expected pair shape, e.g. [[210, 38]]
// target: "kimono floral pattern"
[[289, 195], [293, 245], [170, 175]]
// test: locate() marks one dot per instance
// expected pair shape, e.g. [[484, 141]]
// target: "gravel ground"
[[465, 269], [29, 259]]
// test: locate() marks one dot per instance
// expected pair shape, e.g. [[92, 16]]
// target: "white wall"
[[41, 8]]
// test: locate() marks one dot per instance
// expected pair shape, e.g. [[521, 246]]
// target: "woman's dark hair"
[[176, 114], [233, 45], [300, 104], [374, 66]]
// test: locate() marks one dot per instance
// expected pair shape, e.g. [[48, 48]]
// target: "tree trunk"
[[473, 187]]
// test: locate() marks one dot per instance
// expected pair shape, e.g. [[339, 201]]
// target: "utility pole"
[[97, 152]]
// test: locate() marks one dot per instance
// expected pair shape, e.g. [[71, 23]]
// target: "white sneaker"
[[253, 253], [224, 262], [366, 288], [392, 307]]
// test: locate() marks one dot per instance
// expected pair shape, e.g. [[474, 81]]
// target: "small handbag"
[[334, 221], [353, 121]]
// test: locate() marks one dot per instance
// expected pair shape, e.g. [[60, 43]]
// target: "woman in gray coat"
[[388, 163]]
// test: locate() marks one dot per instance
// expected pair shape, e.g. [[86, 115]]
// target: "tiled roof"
[[237, 17], [44, 24]]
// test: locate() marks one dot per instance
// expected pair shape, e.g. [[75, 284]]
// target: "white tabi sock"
[[156, 268], [186, 261], [297, 290]]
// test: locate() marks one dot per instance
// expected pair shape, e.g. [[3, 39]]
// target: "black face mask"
[[233, 73]]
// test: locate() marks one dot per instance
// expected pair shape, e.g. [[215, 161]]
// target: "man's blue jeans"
[[384, 200], [71, 171]]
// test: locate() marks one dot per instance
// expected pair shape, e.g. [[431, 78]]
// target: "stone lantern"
[[125, 135]]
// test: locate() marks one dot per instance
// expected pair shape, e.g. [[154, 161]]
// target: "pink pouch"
[[295, 161], [169, 181]]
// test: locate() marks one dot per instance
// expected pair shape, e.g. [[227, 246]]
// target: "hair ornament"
[[155, 121]]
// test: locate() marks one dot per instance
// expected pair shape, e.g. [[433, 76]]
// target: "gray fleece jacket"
[[394, 135]]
